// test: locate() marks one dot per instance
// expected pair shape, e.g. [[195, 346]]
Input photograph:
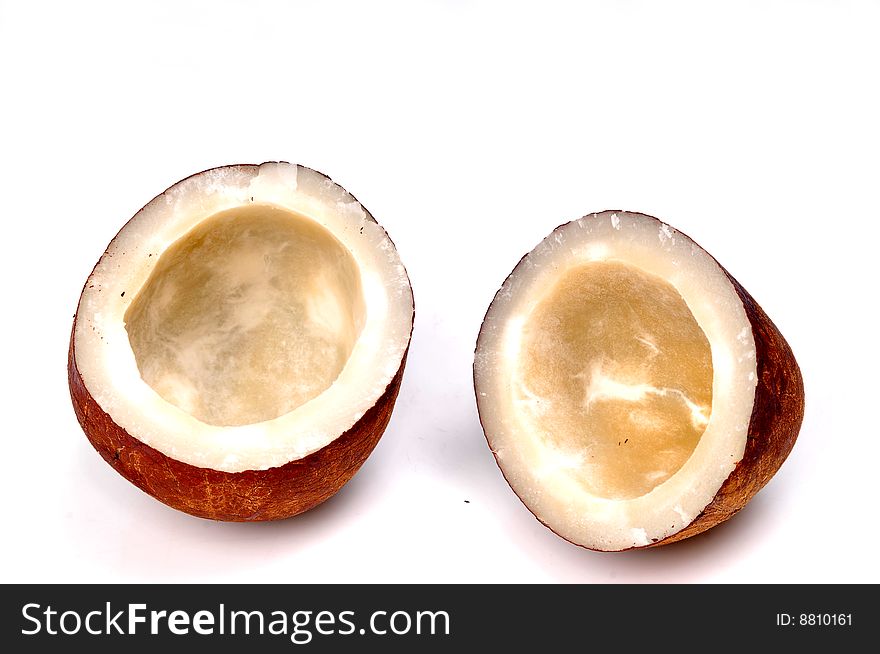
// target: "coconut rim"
[[106, 363], [574, 514]]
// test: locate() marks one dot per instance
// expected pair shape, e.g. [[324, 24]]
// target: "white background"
[[470, 130]]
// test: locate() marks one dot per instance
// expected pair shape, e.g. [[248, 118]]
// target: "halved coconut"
[[632, 392], [238, 348]]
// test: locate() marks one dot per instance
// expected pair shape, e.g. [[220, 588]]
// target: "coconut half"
[[632, 392], [237, 350]]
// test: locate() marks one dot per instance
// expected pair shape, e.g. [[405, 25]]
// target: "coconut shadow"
[[176, 547], [690, 560]]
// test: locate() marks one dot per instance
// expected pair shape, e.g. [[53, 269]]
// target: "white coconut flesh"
[[245, 318], [615, 376]]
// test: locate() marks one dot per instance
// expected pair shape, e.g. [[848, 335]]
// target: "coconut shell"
[[777, 414], [248, 496]]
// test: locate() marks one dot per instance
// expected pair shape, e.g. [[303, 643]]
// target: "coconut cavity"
[[251, 314], [615, 375]]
